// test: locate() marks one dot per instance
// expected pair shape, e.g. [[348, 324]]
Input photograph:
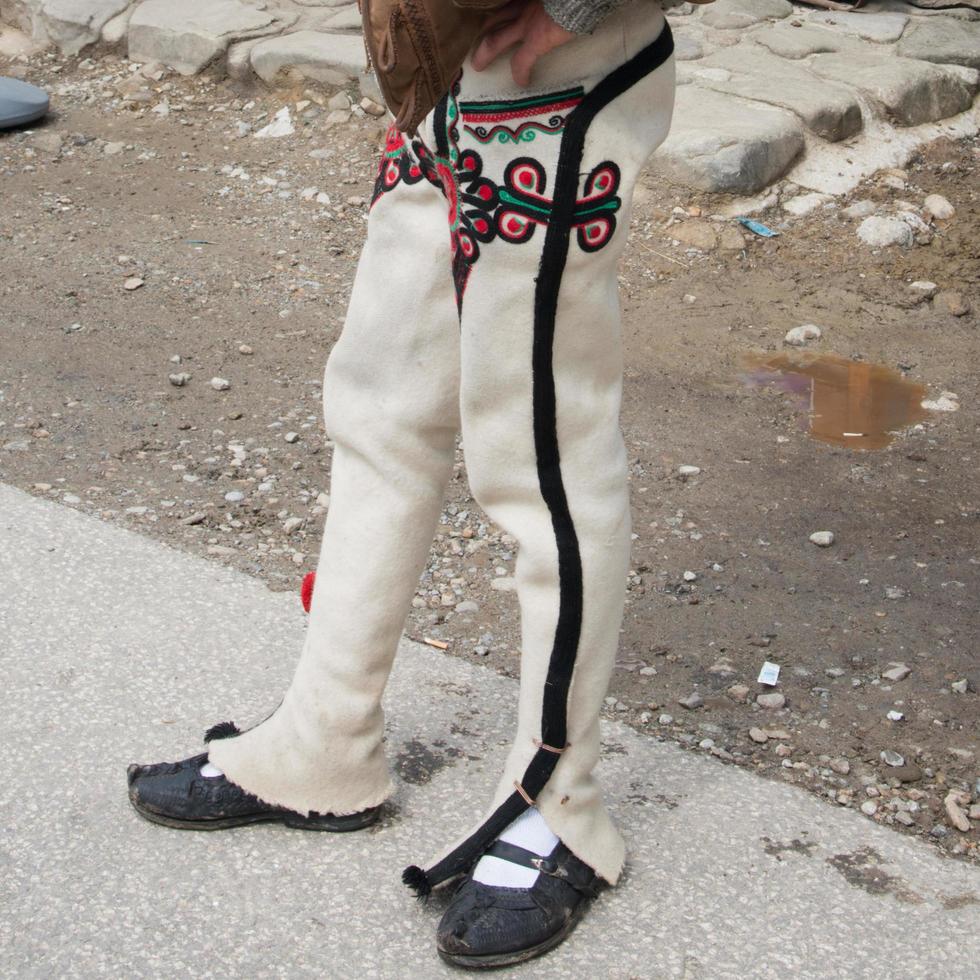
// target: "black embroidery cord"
[[554, 710]]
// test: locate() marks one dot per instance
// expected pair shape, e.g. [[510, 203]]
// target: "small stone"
[[505, 583], [291, 437], [894, 593], [799, 336], [890, 758], [292, 524], [773, 701], [859, 209], [947, 401], [323, 500], [686, 472], [194, 519], [371, 107], [113, 149], [909, 773], [281, 125], [220, 384], [954, 303], [974, 812], [690, 577], [337, 117], [880, 232], [895, 716], [339, 101], [905, 819], [245, 349], [869, 807], [648, 671], [758, 735], [923, 289], [665, 720], [133, 283], [822, 539], [467, 606], [954, 811], [739, 692], [179, 380], [784, 751], [840, 766], [234, 496], [692, 701], [937, 206], [960, 687], [897, 672]]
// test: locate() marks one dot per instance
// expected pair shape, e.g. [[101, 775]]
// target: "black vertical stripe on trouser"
[[554, 710]]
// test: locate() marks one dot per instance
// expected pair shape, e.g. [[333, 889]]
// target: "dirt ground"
[[137, 231]]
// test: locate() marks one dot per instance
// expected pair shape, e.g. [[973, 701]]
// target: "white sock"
[[529, 831], [210, 772]]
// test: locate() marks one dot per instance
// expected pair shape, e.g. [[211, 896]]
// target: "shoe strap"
[[560, 863]]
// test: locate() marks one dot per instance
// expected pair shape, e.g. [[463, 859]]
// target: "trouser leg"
[[541, 389], [391, 408]]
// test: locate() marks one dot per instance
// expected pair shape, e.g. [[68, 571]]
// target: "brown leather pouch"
[[417, 47]]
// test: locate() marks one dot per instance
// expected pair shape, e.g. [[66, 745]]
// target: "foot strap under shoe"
[[560, 863]]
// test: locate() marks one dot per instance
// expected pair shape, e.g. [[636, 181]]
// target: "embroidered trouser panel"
[[507, 328]]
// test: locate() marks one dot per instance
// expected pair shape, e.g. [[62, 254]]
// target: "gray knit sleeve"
[[580, 16]]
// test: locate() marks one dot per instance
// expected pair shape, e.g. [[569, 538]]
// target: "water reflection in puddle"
[[846, 403]]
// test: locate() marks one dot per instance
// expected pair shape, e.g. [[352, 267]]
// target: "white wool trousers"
[[485, 302]]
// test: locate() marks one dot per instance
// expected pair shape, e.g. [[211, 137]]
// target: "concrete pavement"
[[117, 649]]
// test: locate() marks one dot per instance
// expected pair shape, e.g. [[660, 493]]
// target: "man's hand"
[[524, 23]]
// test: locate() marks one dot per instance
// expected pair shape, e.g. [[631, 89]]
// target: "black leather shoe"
[[486, 926], [175, 794]]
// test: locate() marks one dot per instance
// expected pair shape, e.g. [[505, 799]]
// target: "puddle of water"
[[846, 403]]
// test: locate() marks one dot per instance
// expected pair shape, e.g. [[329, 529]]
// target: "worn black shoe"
[[175, 794], [487, 926]]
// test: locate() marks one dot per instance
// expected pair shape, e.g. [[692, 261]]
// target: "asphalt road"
[[118, 649]]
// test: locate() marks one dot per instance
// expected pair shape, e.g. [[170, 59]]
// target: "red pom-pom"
[[306, 592]]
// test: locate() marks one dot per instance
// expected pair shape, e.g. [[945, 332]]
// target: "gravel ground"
[[147, 234]]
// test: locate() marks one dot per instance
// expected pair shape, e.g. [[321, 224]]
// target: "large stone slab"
[[944, 41], [729, 15], [885, 28], [75, 24], [330, 58], [909, 91], [829, 110], [800, 42], [719, 143], [187, 35]]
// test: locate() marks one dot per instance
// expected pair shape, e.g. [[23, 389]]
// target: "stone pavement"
[[768, 89], [116, 648]]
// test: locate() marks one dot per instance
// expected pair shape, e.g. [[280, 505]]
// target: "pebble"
[[739, 692], [220, 384], [954, 811], [291, 437], [772, 701], [758, 735], [960, 687], [690, 576], [923, 288], [822, 539], [890, 758], [467, 606], [292, 524], [245, 349], [665, 720], [904, 818], [955, 303], [897, 672], [193, 519], [506, 583], [841, 766], [179, 380], [869, 807], [880, 232], [648, 671], [339, 101], [909, 773], [894, 592], [939, 207], [692, 701], [799, 336], [685, 472], [859, 209], [323, 500], [234, 496], [281, 125], [70, 498], [948, 401], [895, 716], [133, 282]]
